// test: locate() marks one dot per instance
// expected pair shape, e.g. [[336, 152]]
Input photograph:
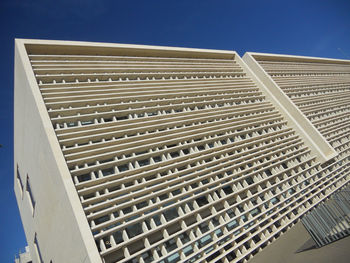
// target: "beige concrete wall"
[[314, 91], [311, 136], [36, 151], [284, 171]]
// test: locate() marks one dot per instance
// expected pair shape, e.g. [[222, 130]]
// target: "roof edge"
[[31, 43], [258, 55]]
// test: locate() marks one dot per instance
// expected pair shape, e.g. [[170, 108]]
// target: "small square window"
[[19, 180], [37, 249], [30, 194]]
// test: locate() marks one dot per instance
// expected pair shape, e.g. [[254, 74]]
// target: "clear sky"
[[296, 27]]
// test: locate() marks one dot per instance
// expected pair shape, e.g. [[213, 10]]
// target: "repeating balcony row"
[[323, 189], [120, 102], [218, 200], [204, 142], [161, 124], [162, 116], [218, 157], [190, 175], [273, 200], [130, 110], [168, 139], [147, 87]]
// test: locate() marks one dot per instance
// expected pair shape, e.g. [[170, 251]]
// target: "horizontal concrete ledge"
[[311, 136], [60, 47], [292, 58]]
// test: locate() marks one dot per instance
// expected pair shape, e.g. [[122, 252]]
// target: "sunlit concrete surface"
[[157, 154]]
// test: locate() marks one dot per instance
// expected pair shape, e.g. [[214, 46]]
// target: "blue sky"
[[310, 28]]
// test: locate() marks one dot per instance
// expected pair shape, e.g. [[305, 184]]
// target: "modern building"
[[130, 153], [320, 89]]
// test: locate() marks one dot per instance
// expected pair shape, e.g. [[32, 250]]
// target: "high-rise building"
[[128, 153]]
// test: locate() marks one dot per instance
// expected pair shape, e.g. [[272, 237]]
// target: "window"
[[37, 249], [30, 193], [19, 180]]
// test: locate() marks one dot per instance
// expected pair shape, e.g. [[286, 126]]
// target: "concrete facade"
[[129, 153], [40, 164], [317, 89]]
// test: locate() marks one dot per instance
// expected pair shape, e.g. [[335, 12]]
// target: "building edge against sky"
[[318, 87], [54, 212], [45, 166]]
